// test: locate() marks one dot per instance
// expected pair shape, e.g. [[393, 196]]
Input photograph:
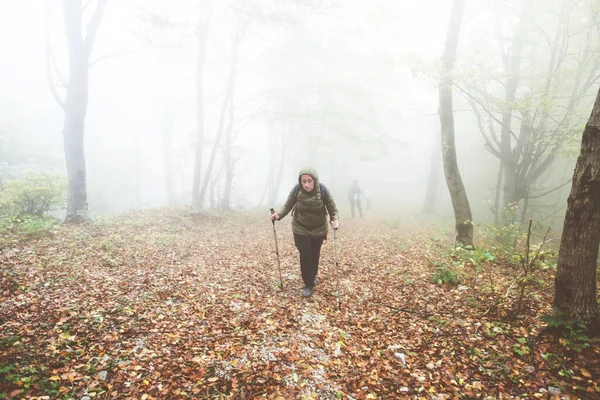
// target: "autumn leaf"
[[190, 310], [585, 373]]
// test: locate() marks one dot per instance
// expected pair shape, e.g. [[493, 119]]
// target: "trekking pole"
[[277, 251], [337, 268]]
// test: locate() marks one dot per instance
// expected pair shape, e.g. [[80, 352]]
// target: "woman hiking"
[[310, 203]]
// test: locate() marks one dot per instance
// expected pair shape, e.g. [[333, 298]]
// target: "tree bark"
[[203, 29], [75, 106], [575, 290], [460, 202]]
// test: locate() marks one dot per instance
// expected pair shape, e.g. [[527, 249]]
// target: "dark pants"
[[310, 252], [357, 204]]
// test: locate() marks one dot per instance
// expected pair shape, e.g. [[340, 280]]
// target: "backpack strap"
[[323, 190], [324, 193]]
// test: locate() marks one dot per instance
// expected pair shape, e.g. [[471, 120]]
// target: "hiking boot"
[[307, 291]]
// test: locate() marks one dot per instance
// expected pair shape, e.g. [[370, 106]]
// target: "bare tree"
[[458, 194], [229, 158], [203, 30], [546, 77], [575, 283], [75, 103], [277, 146], [164, 30], [138, 168], [166, 128]]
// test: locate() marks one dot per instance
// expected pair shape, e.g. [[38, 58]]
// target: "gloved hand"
[[335, 224]]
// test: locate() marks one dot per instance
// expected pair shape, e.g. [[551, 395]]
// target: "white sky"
[[127, 93]]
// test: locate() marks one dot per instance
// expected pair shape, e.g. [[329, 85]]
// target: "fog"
[[350, 88]]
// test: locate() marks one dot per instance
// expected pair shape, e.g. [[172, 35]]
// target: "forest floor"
[[167, 304]]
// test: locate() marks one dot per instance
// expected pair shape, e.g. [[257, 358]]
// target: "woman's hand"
[[335, 224]]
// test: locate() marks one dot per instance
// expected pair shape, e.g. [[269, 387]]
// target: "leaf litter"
[[168, 304]]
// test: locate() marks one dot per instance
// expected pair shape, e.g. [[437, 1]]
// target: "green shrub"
[[573, 331], [33, 194], [476, 257], [32, 224], [26, 226], [507, 233], [444, 274]]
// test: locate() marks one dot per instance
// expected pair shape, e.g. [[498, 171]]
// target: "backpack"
[[324, 195]]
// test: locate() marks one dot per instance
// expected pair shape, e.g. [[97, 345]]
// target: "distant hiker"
[[310, 203], [354, 197]]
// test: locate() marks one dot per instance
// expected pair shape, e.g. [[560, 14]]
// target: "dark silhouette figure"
[[354, 197]]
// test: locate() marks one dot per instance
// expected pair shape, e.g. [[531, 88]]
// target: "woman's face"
[[308, 183]]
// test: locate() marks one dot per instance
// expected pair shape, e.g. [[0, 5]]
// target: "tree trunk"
[[228, 158], [219, 134], [240, 32], [75, 106], [214, 193], [203, 28], [73, 130], [497, 212], [433, 180], [138, 170], [229, 166], [524, 208], [226, 127], [460, 202], [575, 283], [279, 176], [513, 61], [277, 170], [167, 141]]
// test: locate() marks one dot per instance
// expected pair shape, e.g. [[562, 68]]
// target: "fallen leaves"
[[164, 304]]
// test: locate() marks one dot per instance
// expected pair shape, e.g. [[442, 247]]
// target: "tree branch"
[[537, 196], [485, 109], [93, 26], [489, 144]]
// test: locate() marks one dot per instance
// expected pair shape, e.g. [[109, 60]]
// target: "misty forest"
[[299, 199]]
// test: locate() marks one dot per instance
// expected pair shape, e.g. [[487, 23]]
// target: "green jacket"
[[310, 215]]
